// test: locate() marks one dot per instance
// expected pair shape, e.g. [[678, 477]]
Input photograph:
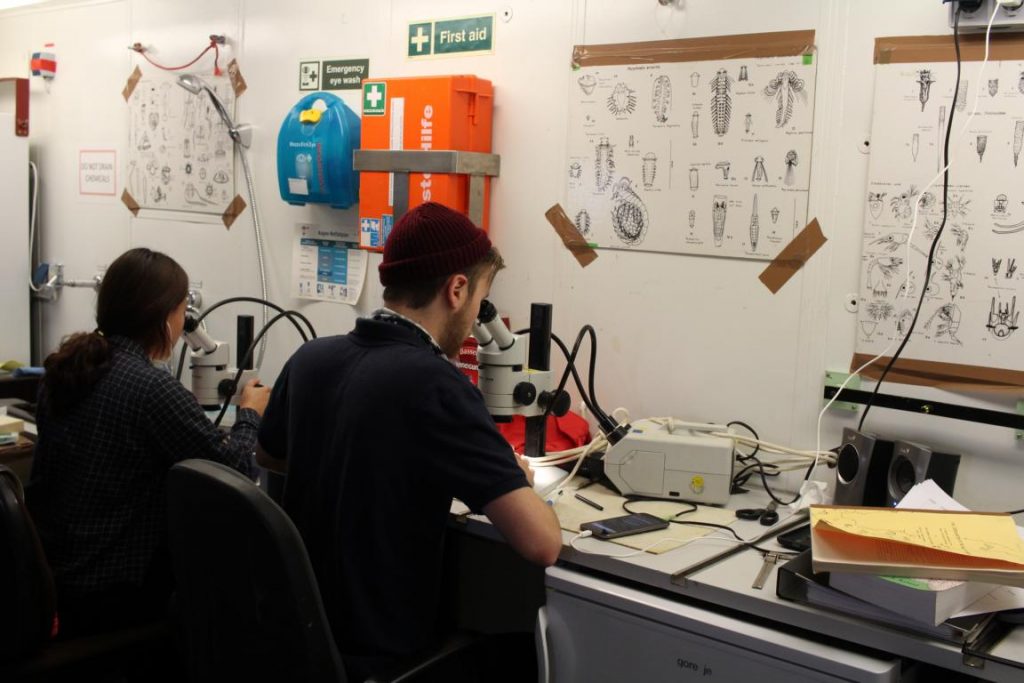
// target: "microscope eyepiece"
[[488, 312]]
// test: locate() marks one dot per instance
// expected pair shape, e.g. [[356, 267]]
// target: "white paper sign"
[[97, 172], [326, 266]]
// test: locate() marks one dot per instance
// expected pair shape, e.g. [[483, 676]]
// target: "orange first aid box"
[[421, 113]]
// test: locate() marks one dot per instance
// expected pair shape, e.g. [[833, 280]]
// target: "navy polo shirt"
[[380, 433]]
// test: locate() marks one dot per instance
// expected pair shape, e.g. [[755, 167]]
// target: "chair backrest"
[[247, 593], [29, 597]]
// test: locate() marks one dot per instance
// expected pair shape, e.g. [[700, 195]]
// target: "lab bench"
[[647, 615]]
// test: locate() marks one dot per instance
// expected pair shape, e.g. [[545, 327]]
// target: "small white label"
[[97, 172], [298, 186], [396, 138]]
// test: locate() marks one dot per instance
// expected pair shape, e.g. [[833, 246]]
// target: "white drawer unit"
[[594, 630]]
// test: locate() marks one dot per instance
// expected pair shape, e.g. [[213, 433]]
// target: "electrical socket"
[[1008, 18]]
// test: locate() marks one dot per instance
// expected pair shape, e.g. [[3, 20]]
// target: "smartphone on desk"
[[625, 525]]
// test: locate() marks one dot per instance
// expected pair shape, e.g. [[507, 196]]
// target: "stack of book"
[[915, 569], [797, 581]]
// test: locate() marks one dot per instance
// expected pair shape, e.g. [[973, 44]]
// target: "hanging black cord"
[[575, 375], [570, 369], [743, 476], [245, 359], [587, 396], [768, 490], [757, 447], [938, 235], [246, 299]]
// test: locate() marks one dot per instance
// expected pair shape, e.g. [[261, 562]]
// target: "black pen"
[[589, 502]]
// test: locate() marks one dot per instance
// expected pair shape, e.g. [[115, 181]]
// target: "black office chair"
[[30, 602], [27, 652], [248, 597]]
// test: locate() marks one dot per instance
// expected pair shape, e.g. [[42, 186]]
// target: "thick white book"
[[927, 600]]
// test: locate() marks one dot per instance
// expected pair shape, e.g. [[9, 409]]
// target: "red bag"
[[563, 433]]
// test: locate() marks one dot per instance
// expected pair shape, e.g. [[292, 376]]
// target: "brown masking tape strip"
[[234, 210], [128, 200], [133, 80], [920, 49], [749, 45], [793, 257], [235, 75], [571, 237], [950, 376]]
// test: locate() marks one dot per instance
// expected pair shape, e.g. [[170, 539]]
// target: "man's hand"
[[255, 396], [525, 465]]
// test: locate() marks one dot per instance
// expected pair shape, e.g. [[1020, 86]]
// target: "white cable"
[[736, 438], [554, 490], [32, 220], [259, 247], [770, 447], [913, 226], [624, 415]]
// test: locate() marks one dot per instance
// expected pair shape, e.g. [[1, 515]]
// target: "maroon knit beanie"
[[430, 241]]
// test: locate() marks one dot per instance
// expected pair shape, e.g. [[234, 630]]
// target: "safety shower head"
[[191, 82], [195, 85]]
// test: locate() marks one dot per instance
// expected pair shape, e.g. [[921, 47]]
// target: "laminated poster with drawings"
[[697, 146], [967, 333]]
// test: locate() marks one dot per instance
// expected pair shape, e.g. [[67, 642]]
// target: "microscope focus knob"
[[560, 402], [524, 393], [226, 388]]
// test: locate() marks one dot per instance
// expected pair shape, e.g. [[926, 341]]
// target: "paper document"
[[928, 496], [971, 535], [327, 265]]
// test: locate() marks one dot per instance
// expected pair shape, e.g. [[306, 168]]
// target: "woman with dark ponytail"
[[110, 426]]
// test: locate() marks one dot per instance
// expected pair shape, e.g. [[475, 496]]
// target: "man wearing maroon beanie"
[[379, 431]]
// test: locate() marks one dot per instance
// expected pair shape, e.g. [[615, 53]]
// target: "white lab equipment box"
[[594, 630], [14, 258]]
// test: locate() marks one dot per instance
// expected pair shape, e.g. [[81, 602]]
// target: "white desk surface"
[[727, 584]]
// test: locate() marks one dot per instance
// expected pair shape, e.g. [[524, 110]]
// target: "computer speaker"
[[861, 469], [913, 463]]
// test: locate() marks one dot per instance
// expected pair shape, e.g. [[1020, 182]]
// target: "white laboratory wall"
[[697, 338], [14, 213]]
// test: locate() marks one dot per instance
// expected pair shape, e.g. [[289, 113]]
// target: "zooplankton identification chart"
[[180, 156], [699, 157], [971, 311]]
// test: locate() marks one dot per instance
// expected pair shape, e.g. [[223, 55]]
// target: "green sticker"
[[421, 39], [374, 98], [808, 60]]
